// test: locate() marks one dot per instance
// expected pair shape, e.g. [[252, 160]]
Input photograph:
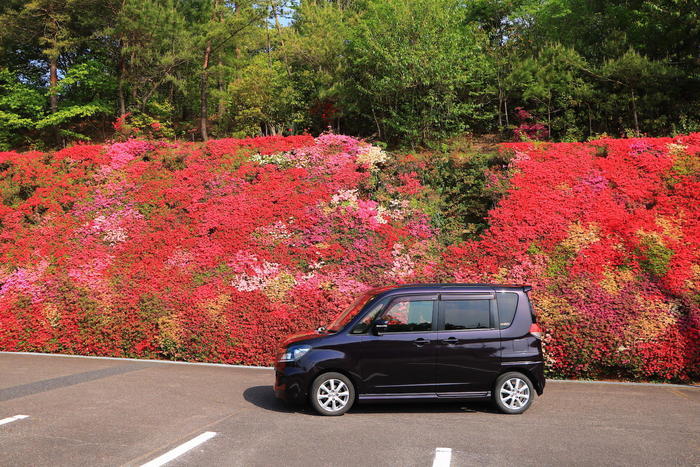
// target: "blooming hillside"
[[608, 233], [189, 252], [214, 252]]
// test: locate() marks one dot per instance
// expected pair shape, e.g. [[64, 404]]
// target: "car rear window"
[[507, 304], [467, 314]]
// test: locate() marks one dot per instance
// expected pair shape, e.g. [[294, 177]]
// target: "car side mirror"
[[379, 327]]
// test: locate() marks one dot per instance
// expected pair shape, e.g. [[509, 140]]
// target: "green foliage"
[[314, 52], [262, 99], [403, 72], [639, 57], [655, 256], [139, 124], [23, 107], [464, 196], [552, 82], [686, 164], [416, 70], [158, 40], [641, 81], [69, 113], [20, 104]]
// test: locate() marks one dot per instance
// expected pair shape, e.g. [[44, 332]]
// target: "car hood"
[[301, 336]]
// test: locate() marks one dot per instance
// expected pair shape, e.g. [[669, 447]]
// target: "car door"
[[468, 349], [402, 359]]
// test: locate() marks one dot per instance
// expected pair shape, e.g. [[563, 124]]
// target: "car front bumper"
[[291, 383]]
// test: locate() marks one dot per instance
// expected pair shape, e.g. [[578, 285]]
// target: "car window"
[[406, 315], [366, 322], [346, 316], [507, 304], [466, 314]]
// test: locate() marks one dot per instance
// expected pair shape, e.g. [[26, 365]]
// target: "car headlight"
[[294, 353]]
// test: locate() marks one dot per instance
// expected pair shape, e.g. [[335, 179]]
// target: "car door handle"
[[421, 341], [450, 340]]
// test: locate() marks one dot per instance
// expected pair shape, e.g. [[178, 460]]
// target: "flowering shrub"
[[196, 252], [214, 252], [608, 233], [527, 129], [137, 124]]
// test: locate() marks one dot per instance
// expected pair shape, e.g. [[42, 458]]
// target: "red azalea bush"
[[141, 125], [528, 129], [214, 252], [196, 252], [608, 233]]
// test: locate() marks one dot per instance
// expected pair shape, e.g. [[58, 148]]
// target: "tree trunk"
[[634, 113], [221, 107], [122, 71], [376, 122], [53, 83], [500, 101], [122, 101], [500, 106], [279, 38], [268, 43], [222, 102], [53, 95], [549, 117], [203, 106], [133, 87]]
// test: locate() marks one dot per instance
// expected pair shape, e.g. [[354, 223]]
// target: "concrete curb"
[[170, 362], [226, 365], [625, 383]]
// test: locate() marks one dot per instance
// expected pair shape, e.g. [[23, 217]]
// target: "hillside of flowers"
[[195, 252], [608, 234], [214, 252]]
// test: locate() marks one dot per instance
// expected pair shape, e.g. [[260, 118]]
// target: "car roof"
[[447, 287]]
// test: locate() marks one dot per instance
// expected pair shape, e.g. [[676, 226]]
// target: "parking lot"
[[81, 411]]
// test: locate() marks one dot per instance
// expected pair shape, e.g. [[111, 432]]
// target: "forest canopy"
[[403, 72]]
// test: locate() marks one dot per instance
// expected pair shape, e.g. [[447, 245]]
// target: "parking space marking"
[[13, 419], [180, 450], [443, 457]]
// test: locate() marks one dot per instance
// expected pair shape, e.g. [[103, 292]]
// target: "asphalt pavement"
[[80, 411]]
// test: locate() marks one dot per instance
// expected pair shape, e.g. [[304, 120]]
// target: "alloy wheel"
[[333, 395], [514, 393]]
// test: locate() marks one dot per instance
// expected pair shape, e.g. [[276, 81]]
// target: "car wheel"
[[514, 393], [332, 394]]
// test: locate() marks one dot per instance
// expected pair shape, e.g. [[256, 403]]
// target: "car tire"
[[514, 393], [332, 394]]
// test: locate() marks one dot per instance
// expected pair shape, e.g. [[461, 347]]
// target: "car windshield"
[[346, 316]]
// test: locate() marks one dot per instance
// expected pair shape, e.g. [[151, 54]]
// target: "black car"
[[419, 342]]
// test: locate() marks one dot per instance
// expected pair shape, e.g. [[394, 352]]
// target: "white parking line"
[[180, 450], [443, 457], [13, 419]]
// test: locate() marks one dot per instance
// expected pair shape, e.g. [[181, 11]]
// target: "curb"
[[252, 367], [170, 362], [625, 383]]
